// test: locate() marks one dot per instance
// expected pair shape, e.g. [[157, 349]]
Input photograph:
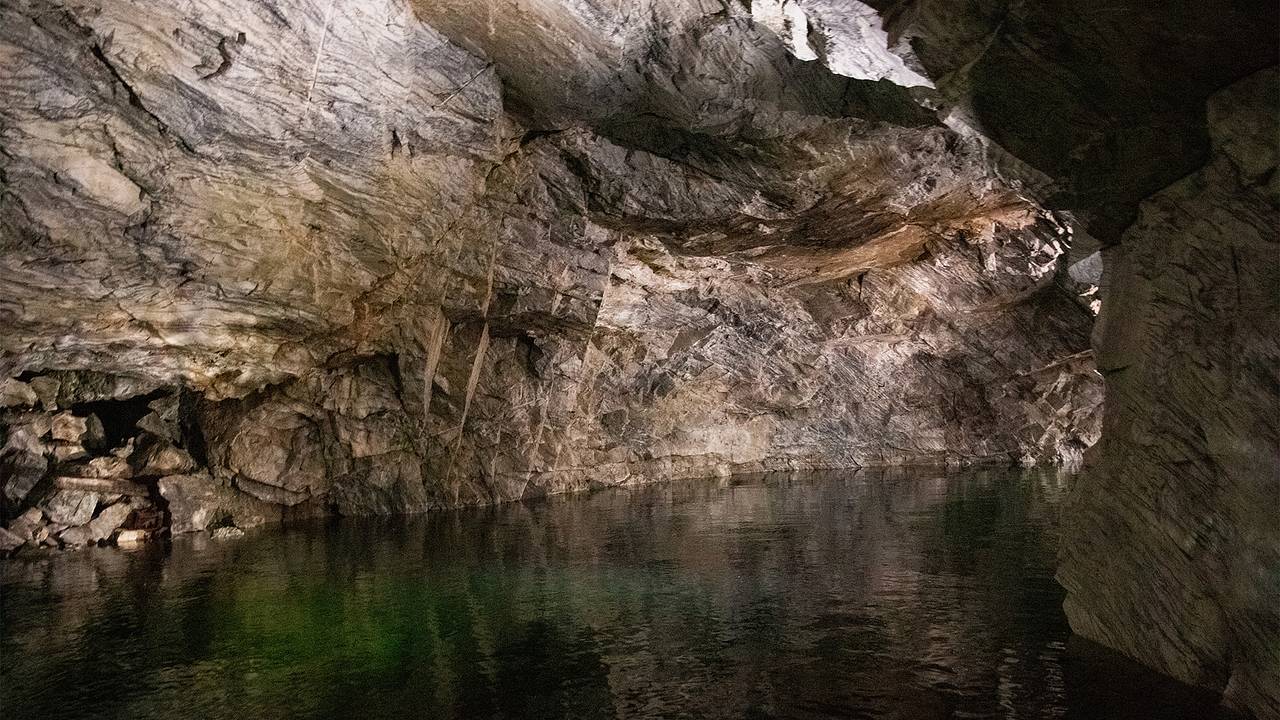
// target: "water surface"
[[905, 594]]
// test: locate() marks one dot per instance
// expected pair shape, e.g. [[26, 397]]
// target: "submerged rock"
[[226, 533]]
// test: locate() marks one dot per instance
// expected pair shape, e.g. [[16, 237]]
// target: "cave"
[[643, 358]]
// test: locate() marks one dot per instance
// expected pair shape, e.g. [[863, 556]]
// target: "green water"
[[855, 595]]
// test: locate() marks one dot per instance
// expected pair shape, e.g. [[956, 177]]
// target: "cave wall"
[[1187, 475], [386, 269]]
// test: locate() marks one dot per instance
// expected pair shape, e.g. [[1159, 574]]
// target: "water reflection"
[[873, 594]]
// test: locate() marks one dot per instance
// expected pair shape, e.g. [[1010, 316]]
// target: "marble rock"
[[198, 502], [70, 507]]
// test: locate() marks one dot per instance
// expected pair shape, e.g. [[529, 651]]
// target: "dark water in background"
[[858, 595]]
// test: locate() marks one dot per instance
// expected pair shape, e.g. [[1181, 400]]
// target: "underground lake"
[[903, 593]]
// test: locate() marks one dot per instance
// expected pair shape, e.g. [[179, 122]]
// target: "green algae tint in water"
[[861, 595]]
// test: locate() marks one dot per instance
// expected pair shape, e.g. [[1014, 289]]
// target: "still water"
[[905, 594]]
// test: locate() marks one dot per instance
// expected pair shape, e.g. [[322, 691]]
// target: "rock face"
[[1188, 475], [392, 269], [302, 257]]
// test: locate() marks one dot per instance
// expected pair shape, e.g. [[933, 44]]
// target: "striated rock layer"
[[375, 288]]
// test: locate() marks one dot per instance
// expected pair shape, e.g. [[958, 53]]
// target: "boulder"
[[109, 520], [107, 467], [160, 458], [21, 471], [26, 524], [15, 393], [68, 452], [132, 537], [27, 434], [82, 430], [162, 421], [70, 507], [10, 541], [46, 388], [76, 537], [198, 502]]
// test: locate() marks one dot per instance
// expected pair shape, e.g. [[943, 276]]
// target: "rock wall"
[[1187, 475], [382, 258]]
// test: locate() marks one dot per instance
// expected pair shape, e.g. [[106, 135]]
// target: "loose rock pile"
[[68, 482]]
